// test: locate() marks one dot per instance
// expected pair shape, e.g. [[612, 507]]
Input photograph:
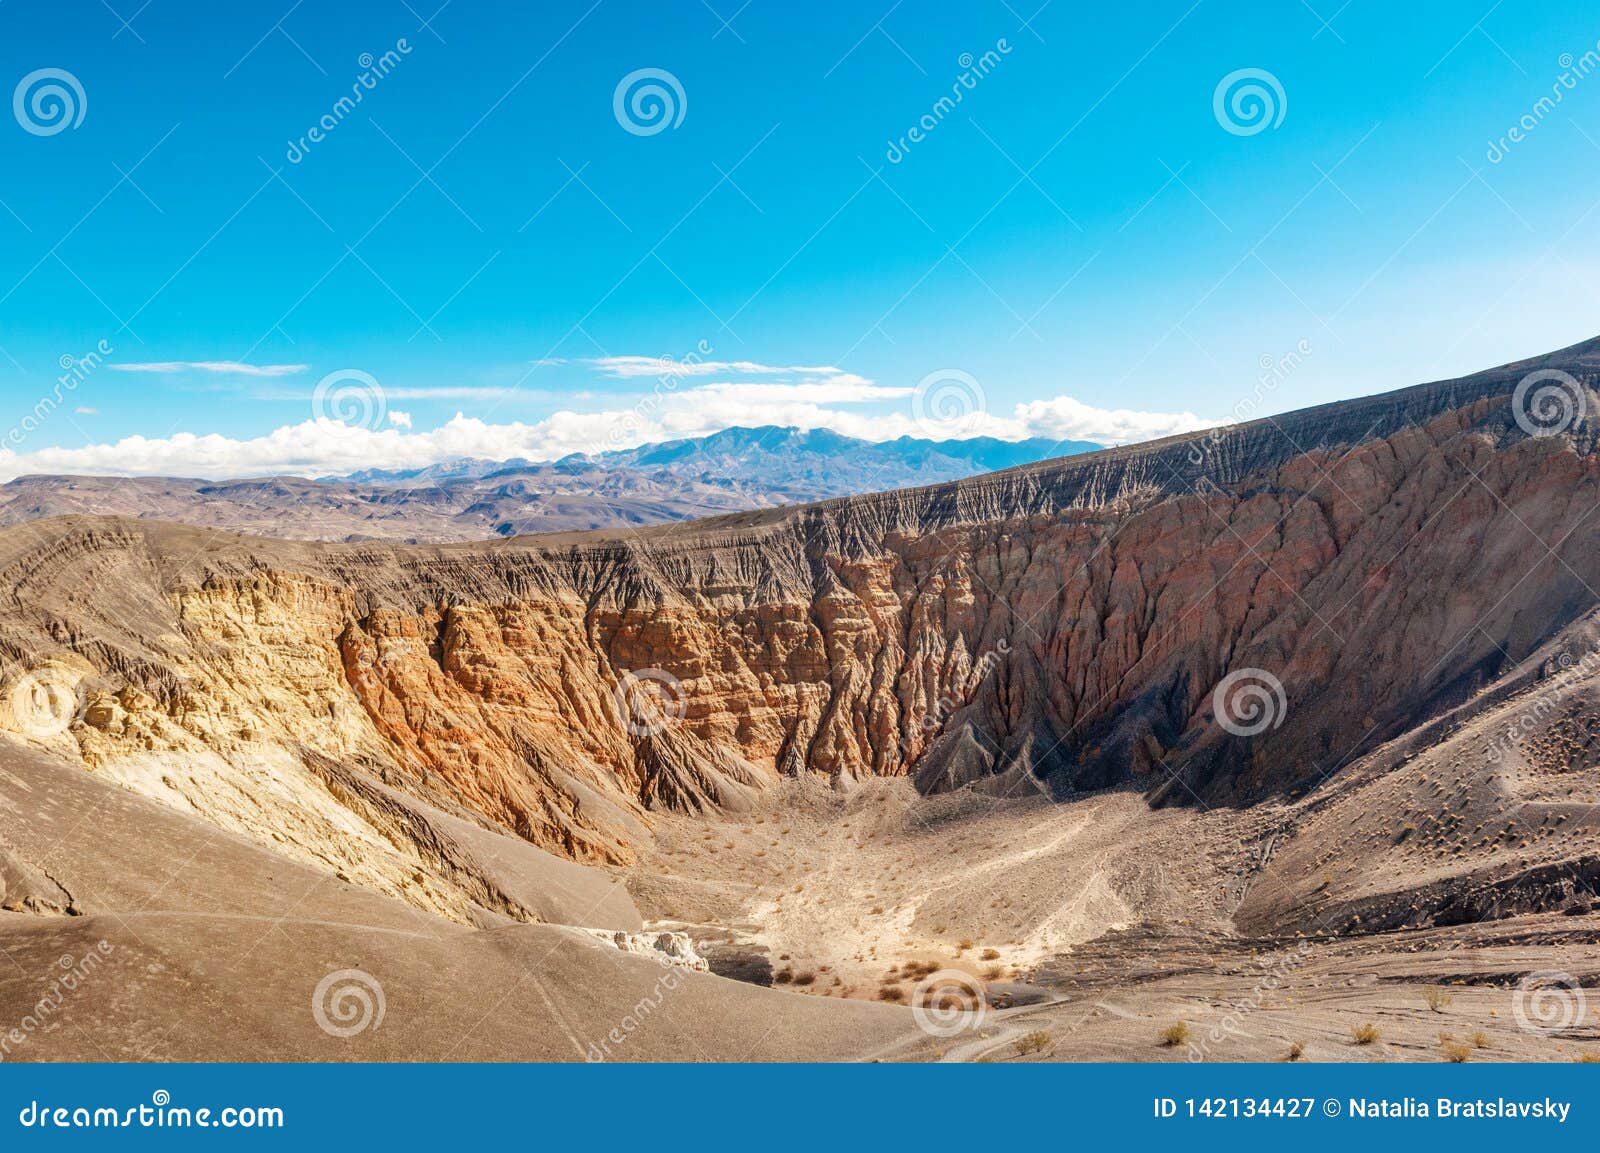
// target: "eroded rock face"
[[1063, 626], [673, 949]]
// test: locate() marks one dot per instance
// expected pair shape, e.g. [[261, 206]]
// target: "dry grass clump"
[[1175, 1034], [1437, 999], [1365, 1034], [1036, 1042], [892, 993], [805, 977], [989, 955], [1455, 1052], [1297, 1050]]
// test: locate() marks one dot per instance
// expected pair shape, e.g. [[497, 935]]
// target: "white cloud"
[[451, 392], [325, 447], [838, 390], [220, 367], [646, 366], [430, 392], [1063, 418]]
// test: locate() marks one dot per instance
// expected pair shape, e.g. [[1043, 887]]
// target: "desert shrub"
[[946, 1000], [989, 955], [1036, 1042], [891, 993], [1455, 1052], [783, 976], [1175, 1034], [1365, 1034], [805, 978], [1297, 1050], [1437, 999], [1479, 1040]]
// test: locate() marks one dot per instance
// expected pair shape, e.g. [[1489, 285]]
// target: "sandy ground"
[[187, 942], [848, 887], [1454, 999], [1101, 930]]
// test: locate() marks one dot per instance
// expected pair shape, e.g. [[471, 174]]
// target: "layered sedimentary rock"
[[1062, 627]]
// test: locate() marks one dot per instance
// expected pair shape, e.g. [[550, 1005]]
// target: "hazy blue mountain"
[[729, 471]]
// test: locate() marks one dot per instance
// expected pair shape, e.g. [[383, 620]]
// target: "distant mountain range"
[[467, 499]]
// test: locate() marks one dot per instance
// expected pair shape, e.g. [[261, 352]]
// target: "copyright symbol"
[[1331, 1107]]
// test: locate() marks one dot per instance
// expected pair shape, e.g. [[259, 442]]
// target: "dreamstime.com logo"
[[948, 404], [1573, 69], [390, 654], [948, 703], [624, 429], [1570, 672], [1249, 101], [75, 370], [648, 101], [637, 1017], [1249, 701], [347, 1002], [649, 701], [973, 69], [350, 396], [949, 1002], [45, 701], [1274, 370], [43, 1015], [48, 101], [1548, 402], [159, 1113], [373, 69], [1231, 1026], [1549, 1002]]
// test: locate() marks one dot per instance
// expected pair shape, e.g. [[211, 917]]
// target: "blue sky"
[[1080, 247]]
